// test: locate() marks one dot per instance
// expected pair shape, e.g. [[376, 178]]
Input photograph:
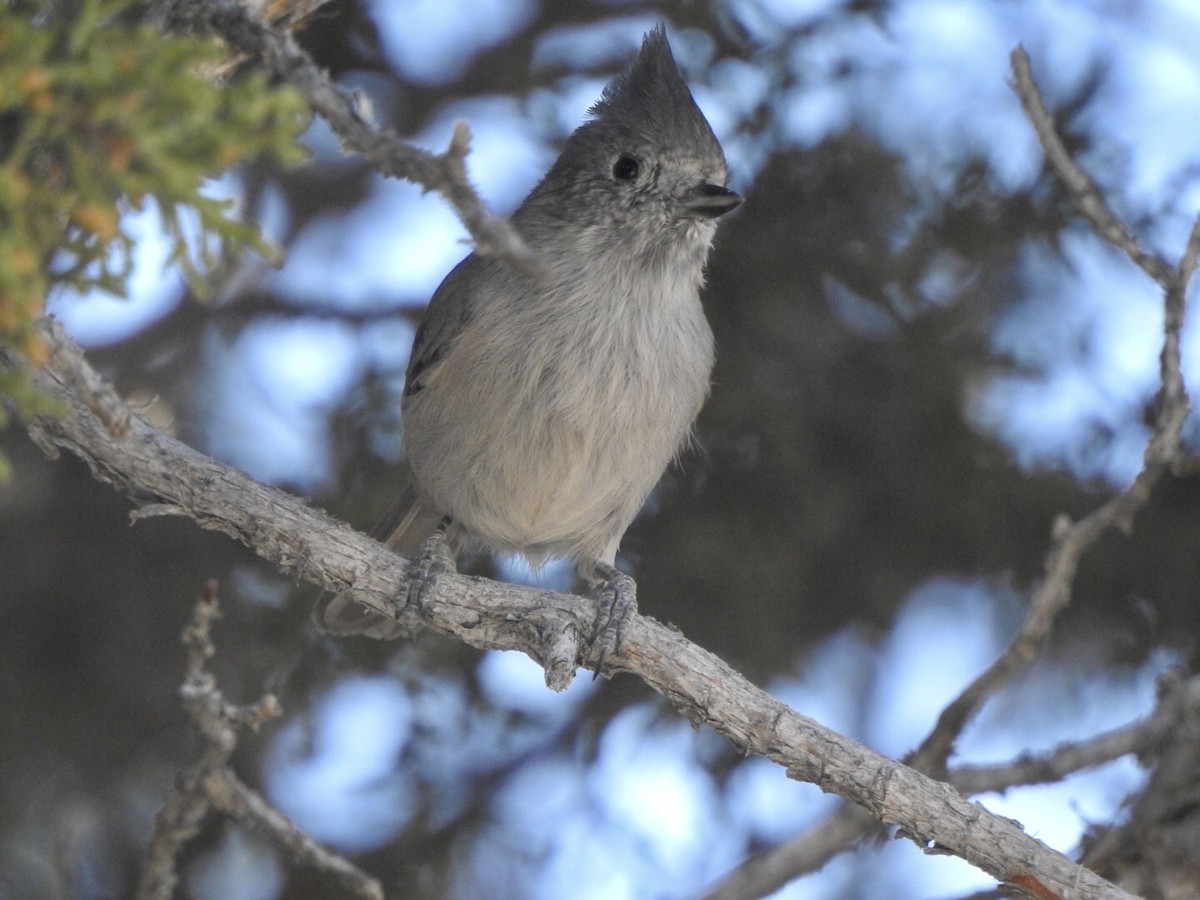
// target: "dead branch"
[[1155, 850], [276, 49], [1163, 451], [210, 783]]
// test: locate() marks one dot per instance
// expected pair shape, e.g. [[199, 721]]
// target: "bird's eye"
[[626, 169]]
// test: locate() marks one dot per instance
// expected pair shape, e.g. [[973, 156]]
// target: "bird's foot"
[[617, 594], [434, 559]]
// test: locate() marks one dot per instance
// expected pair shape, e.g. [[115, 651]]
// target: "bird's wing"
[[449, 310]]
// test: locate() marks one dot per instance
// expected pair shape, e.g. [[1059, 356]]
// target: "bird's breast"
[[548, 426]]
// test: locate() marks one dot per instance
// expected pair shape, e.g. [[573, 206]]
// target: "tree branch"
[[1163, 451], [546, 625], [211, 784], [444, 173], [1155, 850], [1178, 706], [770, 870], [1086, 196]]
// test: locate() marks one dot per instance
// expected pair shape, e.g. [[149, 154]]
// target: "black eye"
[[626, 168]]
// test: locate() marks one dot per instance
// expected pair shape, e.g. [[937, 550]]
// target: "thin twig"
[[1154, 848], [210, 784], [444, 173], [770, 870], [232, 797], [1071, 540], [1178, 702], [1086, 196], [177, 822], [186, 805]]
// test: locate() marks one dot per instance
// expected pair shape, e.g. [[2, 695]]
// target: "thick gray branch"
[[1177, 712], [543, 624]]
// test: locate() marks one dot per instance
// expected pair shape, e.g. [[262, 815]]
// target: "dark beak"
[[711, 200]]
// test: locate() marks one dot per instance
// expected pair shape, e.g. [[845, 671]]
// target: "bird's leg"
[[617, 594], [435, 558]]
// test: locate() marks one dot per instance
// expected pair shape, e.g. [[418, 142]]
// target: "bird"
[[541, 405]]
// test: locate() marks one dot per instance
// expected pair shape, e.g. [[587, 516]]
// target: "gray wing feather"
[[410, 520], [449, 311]]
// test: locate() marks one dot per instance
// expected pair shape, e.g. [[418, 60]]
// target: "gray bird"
[[541, 408]]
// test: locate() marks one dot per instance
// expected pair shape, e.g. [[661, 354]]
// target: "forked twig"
[[444, 173], [210, 784]]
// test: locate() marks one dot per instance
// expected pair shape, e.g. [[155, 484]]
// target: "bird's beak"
[[711, 200]]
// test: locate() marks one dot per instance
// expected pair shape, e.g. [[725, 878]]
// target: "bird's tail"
[[402, 530]]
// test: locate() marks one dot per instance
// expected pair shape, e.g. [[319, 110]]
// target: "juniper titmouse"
[[541, 408]]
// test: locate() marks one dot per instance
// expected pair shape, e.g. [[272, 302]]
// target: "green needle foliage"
[[98, 113]]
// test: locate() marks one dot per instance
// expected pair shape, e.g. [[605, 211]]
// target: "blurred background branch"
[[1163, 450], [211, 783]]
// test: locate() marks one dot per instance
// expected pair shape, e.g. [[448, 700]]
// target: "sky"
[[930, 80]]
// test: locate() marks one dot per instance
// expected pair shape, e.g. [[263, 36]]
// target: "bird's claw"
[[434, 559], [617, 593]]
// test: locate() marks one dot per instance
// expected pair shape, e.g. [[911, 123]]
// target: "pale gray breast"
[[555, 414]]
